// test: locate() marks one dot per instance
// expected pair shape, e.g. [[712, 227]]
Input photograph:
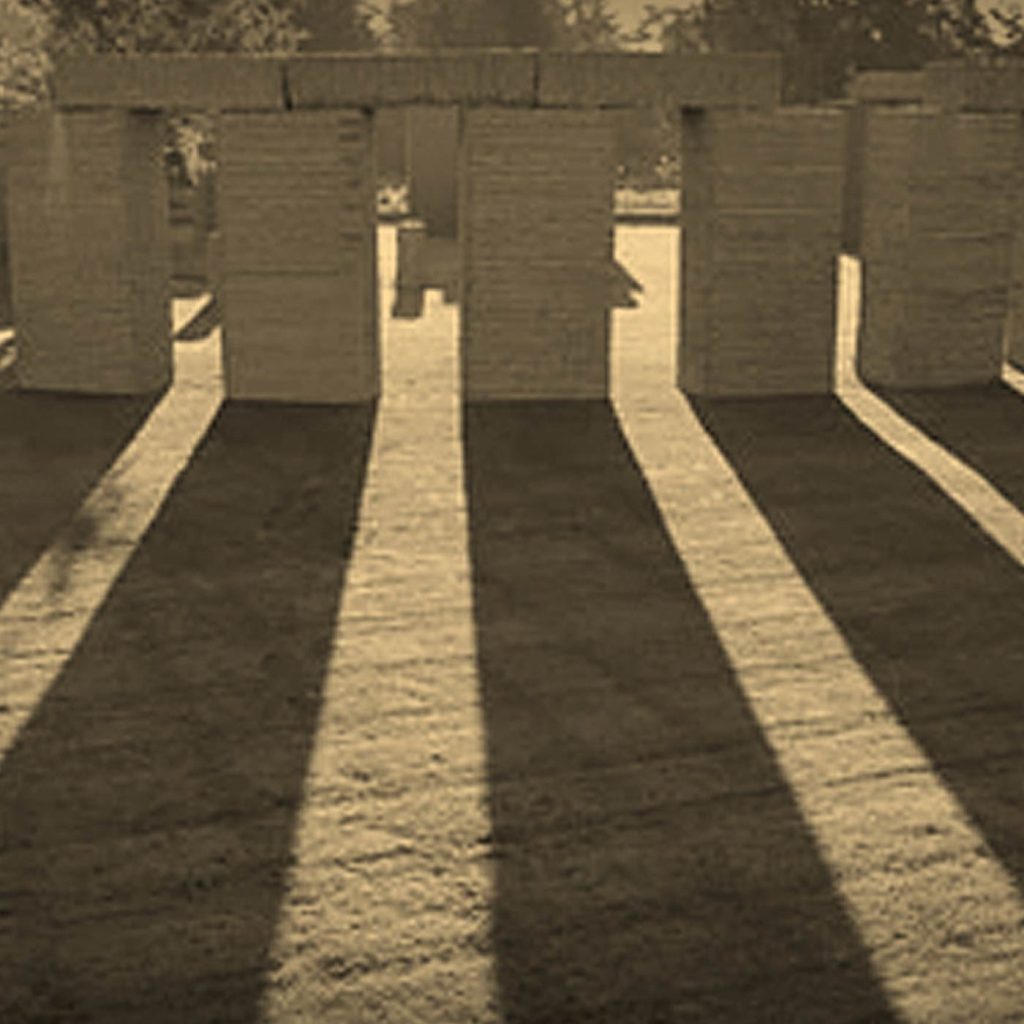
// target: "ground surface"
[[634, 713]]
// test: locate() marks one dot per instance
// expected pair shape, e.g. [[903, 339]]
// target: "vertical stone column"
[[761, 220], [89, 251], [298, 274], [6, 310], [936, 244], [1015, 315], [433, 168], [537, 242], [1014, 329]]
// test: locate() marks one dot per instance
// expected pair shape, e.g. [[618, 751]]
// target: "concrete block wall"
[[1014, 331], [502, 77], [162, 81], [937, 238], [537, 241], [760, 222], [90, 256], [433, 165], [639, 79], [6, 310], [298, 267]]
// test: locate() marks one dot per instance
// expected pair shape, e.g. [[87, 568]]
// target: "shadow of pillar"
[[930, 607], [983, 426], [651, 863], [148, 806], [53, 450]]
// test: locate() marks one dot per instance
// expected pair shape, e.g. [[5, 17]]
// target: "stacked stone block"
[[885, 88], [90, 267], [298, 277], [1014, 334], [6, 312], [433, 171], [537, 241], [761, 221], [939, 192]]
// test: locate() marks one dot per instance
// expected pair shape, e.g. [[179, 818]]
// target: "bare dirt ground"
[[649, 711]]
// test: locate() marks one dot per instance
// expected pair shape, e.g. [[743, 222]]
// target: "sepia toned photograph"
[[511, 511]]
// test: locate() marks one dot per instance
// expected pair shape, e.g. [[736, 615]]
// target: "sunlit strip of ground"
[[938, 913], [386, 915], [46, 615], [999, 518]]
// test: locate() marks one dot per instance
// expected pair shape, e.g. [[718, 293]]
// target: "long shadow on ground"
[[53, 450], [984, 426], [930, 607], [651, 864], [148, 807]]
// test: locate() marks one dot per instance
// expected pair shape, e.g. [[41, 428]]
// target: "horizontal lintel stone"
[[888, 87], [961, 85], [501, 77], [640, 79], [157, 81], [497, 77]]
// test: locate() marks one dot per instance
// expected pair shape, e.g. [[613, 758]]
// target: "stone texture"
[[480, 76], [760, 220], [891, 88], [502, 77], [433, 168], [90, 254], [641, 79], [537, 236], [937, 242], [1014, 333], [959, 85], [888, 86], [298, 256], [155, 81], [6, 313]]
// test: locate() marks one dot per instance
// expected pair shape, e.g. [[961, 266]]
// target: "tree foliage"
[[546, 24], [154, 26], [23, 58], [823, 41]]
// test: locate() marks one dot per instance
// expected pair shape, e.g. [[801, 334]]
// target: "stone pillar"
[[297, 254], [1015, 315], [849, 239], [1014, 329], [936, 244], [89, 251], [761, 222], [6, 310], [537, 242], [433, 168]]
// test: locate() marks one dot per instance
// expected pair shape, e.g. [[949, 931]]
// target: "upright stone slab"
[[761, 221], [433, 168], [87, 207], [298, 271], [6, 310], [537, 243], [1014, 330], [937, 244], [1014, 334]]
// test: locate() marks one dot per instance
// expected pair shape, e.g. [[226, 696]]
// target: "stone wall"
[[298, 265], [761, 222], [537, 242], [937, 240], [6, 309], [1014, 334], [90, 267], [433, 168]]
